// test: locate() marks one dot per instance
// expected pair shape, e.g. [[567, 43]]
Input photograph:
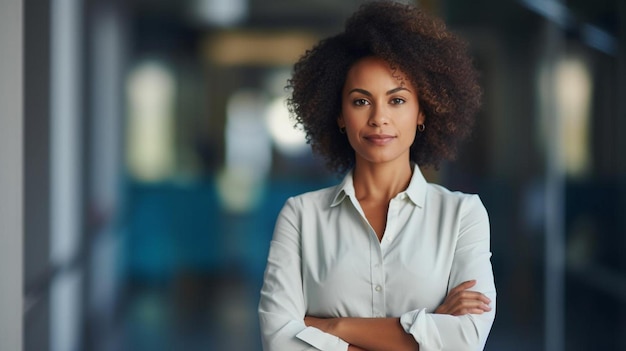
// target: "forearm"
[[372, 334]]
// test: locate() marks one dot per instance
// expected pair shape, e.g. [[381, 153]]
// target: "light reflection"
[[150, 123], [573, 96], [65, 295], [288, 139], [66, 312], [599, 39], [239, 189], [219, 12], [248, 152]]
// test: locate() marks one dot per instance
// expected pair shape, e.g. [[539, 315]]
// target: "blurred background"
[[158, 152]]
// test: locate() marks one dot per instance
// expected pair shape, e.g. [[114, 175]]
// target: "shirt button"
[[378, 288]]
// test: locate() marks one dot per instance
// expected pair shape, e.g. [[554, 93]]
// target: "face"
[[380, 112]]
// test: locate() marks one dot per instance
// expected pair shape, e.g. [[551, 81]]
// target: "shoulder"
[[303, 207], [321, 198], [440, 192], [463, 202], [465, 212]]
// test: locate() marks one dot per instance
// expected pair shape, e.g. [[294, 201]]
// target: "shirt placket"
[[378, 281], [378, 263]]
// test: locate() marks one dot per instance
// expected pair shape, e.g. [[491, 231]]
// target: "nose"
[[378, 116]]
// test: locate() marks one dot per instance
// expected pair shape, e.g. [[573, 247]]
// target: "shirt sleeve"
[[440, 332], [282, 305]]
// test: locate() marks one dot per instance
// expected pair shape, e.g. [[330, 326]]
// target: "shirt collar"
[[345, 188], [416, 191], [417, 187]]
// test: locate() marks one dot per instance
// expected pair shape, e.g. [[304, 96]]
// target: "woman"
[[384, 260]]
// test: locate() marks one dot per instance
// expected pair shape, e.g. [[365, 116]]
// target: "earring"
[[421, 127], [342, 130]]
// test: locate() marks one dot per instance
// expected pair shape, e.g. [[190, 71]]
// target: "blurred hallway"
[[158, 152]]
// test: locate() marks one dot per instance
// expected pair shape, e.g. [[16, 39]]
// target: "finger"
[[472, 295], [461, 310], [471, 310], [485, 299], [463, 286], [458, 306], [466, 308], [464, 303]]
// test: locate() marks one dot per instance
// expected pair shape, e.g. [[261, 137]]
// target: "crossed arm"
[[373, 334], [461, 322]]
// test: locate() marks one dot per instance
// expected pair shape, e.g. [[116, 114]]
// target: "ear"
[[340, 122], [421, 118]]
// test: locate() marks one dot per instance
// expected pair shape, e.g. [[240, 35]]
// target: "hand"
[[461, 301]]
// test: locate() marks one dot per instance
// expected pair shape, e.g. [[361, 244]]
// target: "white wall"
[[11, 224]]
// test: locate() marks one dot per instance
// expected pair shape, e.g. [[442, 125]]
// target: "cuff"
[[322, 341], [421, 325]]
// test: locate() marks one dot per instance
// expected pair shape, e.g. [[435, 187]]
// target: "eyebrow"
[[367, 93]]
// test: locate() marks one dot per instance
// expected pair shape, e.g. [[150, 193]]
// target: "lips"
[[379, 139]]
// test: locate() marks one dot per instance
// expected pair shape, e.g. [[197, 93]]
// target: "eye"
[[397, 101], [360, 102]]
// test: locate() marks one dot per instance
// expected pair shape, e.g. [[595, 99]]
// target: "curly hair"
[[434, 60]]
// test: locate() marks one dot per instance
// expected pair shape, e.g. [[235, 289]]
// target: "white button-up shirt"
[[325, 260]]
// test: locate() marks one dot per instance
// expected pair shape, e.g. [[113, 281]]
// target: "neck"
[[380, 181]]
